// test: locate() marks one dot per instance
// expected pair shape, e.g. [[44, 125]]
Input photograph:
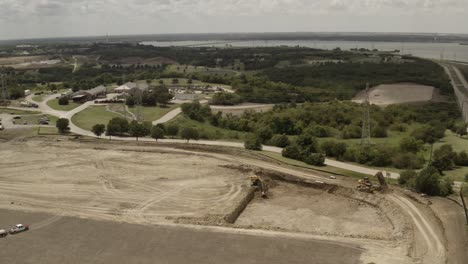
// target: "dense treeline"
[[354, 76], [251, 58]]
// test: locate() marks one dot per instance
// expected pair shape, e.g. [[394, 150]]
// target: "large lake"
[[447, 51]]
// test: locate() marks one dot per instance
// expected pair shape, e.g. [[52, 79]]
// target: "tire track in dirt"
[[435, 251]]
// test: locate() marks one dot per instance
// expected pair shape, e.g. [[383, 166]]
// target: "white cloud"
[[88, 17]]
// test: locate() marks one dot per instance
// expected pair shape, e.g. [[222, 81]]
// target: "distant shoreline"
[[292, 36]]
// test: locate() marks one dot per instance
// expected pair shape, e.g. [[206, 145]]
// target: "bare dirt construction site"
[[124, 202], [387, 94]]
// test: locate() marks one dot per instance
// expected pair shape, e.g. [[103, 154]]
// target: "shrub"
[[334, 149], [172, 130], [461, 159], [379, 132], [264, 134], [351, 131], [189, 133], [444, 158], [410, 144], [253, 142], [408, 161], [315, 159], [429, 181], [292, 152], [63, 100], [62, 125], [407, 176], [319, 131], [280, 141]]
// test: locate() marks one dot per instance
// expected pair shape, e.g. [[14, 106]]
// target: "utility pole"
[[366, 130]]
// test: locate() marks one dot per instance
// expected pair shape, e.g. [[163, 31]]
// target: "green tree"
[[379, 132], [280, 141], [138, 130], [98, 129], [253, 142], [157, 133], [264, 134], [444, 158], [63, 100], [461, 159], [117, 126], [407, 161], [62, 125], [406, 177], [292, 152], [429, 181], [315, 159], [172, 130], [130, 101], [189, 133], [410, 144]]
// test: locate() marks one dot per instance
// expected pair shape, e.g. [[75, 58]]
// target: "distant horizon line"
[[331, 33]]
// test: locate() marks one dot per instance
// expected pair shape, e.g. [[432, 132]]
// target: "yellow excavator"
[[261, 186], [365, 185]]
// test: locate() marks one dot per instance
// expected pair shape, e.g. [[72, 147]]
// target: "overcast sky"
[[56, 18]]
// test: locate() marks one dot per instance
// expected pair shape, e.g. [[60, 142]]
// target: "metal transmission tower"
[[366, 130]]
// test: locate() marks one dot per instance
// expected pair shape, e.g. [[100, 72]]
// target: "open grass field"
[[55, 105], [93, 115], [16, 112], [39, 98], [151, 113]]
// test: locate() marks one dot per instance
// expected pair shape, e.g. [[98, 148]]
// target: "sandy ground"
[[130, 197], [116, 185], [387, 94], [302, 209], [53, 240]]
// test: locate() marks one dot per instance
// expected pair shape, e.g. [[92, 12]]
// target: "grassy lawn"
[[206, 130], [92, 115], [16, 112], [39, 98], [47, 131], [55, 105], [152, 113]]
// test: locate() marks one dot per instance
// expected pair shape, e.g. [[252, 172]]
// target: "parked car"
[[17, 117], [43, 122], [34, 105], [3, 233], [1, 127], [19, 228], [25, 122]]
